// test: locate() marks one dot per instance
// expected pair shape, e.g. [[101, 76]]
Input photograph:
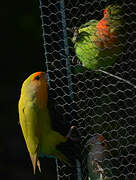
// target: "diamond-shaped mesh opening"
[[100, 103]]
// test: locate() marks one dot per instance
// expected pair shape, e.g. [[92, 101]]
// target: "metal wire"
[[101, 103]]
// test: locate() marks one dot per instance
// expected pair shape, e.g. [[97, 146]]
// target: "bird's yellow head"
[[35, 87]]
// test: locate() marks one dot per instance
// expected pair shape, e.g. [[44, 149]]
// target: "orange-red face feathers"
[[107, 37], [105, 13], [39, 80], [102, 140], [39, 76]]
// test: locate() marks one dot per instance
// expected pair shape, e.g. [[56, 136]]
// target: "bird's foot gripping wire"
[[70, 134], [76, 61]]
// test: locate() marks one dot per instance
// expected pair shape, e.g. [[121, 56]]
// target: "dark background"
[[21, 54]]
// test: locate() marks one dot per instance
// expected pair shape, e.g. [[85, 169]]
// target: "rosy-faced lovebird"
[[98, 164], [35, 120], [98, 44]]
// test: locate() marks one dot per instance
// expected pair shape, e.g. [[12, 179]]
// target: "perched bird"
[[98, 168], [35, 120], [97, 44]]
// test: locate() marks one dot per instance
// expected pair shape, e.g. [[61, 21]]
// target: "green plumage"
[[98, 43], [35, 120]]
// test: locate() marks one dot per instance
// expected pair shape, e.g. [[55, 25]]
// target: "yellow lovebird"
[[35, 120]]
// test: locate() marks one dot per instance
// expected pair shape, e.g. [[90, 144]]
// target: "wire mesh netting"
[[101, 103]]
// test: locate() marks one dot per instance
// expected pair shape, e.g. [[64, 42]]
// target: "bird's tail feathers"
[[35, 161]]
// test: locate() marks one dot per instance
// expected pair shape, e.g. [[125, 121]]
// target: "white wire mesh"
[[96, 102]]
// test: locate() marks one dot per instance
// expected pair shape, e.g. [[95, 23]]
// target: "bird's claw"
[[76, 61], [69, 135], [73, 60]]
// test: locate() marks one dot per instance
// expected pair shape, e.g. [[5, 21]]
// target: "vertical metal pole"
[[65, 57], [66, 49], [79, 173], [44, 41]]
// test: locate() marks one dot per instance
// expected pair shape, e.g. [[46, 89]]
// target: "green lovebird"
[[35, 120], [98, 44]]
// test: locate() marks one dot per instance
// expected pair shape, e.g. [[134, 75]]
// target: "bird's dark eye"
[[37, 77]]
